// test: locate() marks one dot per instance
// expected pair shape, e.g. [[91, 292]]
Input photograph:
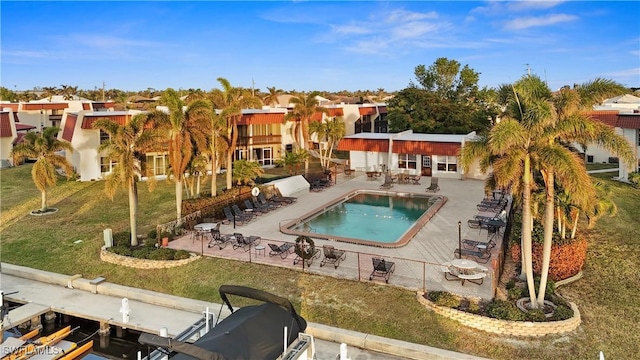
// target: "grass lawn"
[[607, 296]]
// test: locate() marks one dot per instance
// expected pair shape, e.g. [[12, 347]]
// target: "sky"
[[312, 45]]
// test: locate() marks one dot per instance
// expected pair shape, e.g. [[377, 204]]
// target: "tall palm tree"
[[231, 100], [44, 147], [330, 131], [217, 147], [246, 171], [186, 126], [125, 147], [271, 98], [304, 107], [49, 91]]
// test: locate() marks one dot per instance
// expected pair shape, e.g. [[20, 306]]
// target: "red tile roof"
[[23, 127], [629, 121], [5, 125], [261, 119], [69, 126], [426, 147], [355, 144], [609, 117], [89, 119], [12, 106]]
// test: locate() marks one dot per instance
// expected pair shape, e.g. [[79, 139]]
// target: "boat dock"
[[150, 312]]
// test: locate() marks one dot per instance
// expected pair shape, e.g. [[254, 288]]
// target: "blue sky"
[[312, 45]]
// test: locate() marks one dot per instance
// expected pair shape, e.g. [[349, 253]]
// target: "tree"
[[186, 126], [231, 100], [246, 171], [444, 99], [331, 132], [49, 92], [304, 107], [293, 160], [125, 147], [271, 98], [44, 147]]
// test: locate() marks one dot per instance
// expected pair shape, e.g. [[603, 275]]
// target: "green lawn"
[[607, 296]]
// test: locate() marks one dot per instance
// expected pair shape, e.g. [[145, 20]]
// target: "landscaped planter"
[[128, 261], [566, 260], [505, 327]]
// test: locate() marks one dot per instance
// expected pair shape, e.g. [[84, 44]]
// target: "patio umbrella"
[[459, 239]]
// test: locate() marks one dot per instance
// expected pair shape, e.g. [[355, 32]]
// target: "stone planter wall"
[[504, 327], [107, 256]]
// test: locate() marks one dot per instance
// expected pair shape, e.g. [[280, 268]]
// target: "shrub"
[[121, 250], [443, 298], [142, 253], [550, 290], [153, 234], [181, 254], [536, 315], [162, 254], [634, 179], [562, 312], [474, 307], [122, 239], [510, 284], [516, 293], [504, 310]]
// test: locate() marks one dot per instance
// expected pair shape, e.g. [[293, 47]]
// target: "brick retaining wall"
[[128, 261], [504, 327]]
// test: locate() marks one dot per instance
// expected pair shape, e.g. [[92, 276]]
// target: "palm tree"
[[330, 131], [304, 107], [49, 91], [124, 147], [271, 98], [246, 171], [44, 147], [186, 126], [231, 100], [292, 160]]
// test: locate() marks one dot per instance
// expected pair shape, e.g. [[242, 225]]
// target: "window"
[[447, 163], [104, 136], [407, 161], [363, 125], [264, 156], [638, 135], [106, 166], [426, 161], [157, 164], [381, 124], [241, 154]]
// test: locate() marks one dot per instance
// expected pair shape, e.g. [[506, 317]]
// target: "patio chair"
[[258, 210], [382, 268], [232, 218], [245, 216], [282, 250], [332, 256], [480, 255], [261, 199], [245, 242], [416, 180], [268, 205], [217, 239], [434, 187], [278, 197]]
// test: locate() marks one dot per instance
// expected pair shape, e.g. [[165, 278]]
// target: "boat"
[[12, 344], [38, 345], [263, 331]]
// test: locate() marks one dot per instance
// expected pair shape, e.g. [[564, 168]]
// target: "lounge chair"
[[309, 261], [382, 268], [480, 255], [272, 203], [217, 239], [245, 216], [268, 205], [283, 250], [288, 199], [236, 220], [245, 242], [434, 187], [332, 256], [258, 210]]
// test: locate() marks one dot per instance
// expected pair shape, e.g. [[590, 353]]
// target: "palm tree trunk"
[[214, 165], [575, 225], [526, 230], [229, 169], [133, 212], [178, 200], [548, 234], [43, 200]]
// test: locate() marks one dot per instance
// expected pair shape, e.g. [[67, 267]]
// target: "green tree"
[[293, 160], [304, 107], [231, 100], [7, 95], [125, 147], [186, 126], [330, 131], [444, 99], [246, 171], [271, 98], [44, 147]]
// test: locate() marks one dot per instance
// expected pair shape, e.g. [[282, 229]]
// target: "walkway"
[[416, 263]]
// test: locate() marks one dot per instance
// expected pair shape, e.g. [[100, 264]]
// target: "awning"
[[379, 145], [5, 125], [69, 126], [426, 147], [44, 106], [261, 119], [370, 110], [88, 120], [628, 122], [23, 127]]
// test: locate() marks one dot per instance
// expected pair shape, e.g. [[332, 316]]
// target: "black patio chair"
[[264, 205], [232, 218], [332, 256], [382, 268], [258, 210], [283, 250], [245, 216], [217, 239], [245, 242]]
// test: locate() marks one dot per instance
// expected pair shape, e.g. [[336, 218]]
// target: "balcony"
[[260, 140]]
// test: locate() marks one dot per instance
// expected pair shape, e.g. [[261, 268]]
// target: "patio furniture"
[[332, 256], [382, 268], [416, 180], [258, 210], [283, 250], [309, 261], [236, 220], [219, 240], [245, 216], [245, 242], [481, 255], [434, 187]]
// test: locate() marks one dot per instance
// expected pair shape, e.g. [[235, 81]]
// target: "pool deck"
[[417, 263]]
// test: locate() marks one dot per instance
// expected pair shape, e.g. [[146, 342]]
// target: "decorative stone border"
[[505, 327], [128, 261], [49, 211]]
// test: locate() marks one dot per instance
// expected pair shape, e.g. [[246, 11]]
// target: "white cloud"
[[626, 73], [351, 29], [26, 54], [396, 16], [531, 5], [109, 42], [537, 21]]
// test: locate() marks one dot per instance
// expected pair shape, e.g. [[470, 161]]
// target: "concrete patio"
[[417, 263]]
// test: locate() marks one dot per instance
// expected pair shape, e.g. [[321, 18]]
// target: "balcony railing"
[[260, 140]]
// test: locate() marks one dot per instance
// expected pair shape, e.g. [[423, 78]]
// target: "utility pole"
[[528, 70], [253, 83], [103, 91]]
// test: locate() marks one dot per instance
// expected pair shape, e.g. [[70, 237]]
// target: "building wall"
[[632, 137], [377, 161]]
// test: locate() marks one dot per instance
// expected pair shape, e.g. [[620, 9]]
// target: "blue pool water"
[[372, 217]]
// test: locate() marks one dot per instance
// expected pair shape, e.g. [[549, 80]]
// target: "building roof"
[[406, 142], [623, 99], [455, 138]]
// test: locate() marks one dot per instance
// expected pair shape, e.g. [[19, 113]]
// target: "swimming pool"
[[369, 217]]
